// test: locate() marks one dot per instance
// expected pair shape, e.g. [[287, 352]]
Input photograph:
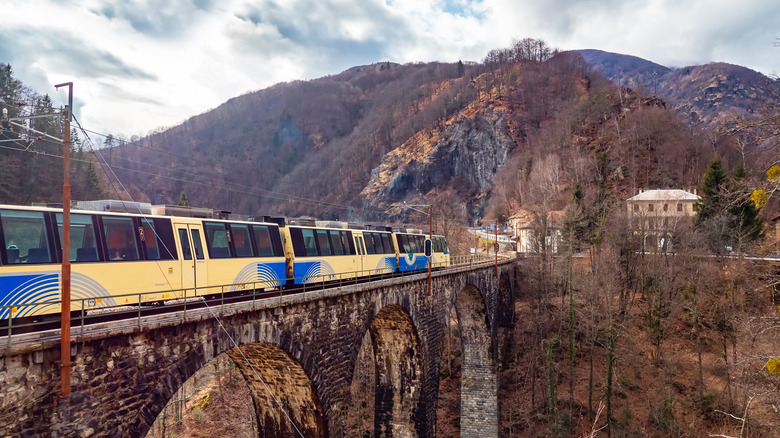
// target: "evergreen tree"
[[183, 201], [711, 189], [746, 220], [726, 214]]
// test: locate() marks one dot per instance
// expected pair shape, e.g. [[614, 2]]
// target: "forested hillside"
[[356, 145], [32, 168]]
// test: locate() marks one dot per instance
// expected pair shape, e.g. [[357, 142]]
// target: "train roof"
[[129, 214]]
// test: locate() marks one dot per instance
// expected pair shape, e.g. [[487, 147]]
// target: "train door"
[[361, 250], [193, 263]]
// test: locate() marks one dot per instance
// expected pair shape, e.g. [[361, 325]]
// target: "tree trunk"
[[610, 375], [700, 382]]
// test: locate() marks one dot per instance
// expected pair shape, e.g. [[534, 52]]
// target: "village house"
[[527, 231], [655, 215]]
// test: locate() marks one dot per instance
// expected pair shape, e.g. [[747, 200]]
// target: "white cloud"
[[149, 63]]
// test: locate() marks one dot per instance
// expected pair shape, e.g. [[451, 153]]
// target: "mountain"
[[706, 95], [299, 147], [356, 145], [627, 70]]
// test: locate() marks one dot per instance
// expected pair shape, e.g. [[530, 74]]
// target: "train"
[[154, 256]]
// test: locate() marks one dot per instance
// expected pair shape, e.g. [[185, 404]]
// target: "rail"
[[134, 307]]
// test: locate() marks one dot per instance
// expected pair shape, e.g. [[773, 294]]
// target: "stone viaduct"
[[304, 347]]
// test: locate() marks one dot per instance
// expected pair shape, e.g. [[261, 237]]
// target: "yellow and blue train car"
[[241, 255], [130, 259], [120, 258], [441, 253], [317, 254], [376, 251], [411, 247]]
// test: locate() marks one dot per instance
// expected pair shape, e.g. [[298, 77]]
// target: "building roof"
[[665, 195], [522, 217]]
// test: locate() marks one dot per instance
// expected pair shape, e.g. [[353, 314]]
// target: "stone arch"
[[278, 347], [398, 366], [294, 404], [479, 380]]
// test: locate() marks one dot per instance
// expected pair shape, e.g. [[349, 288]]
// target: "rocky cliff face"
[[464, 152]]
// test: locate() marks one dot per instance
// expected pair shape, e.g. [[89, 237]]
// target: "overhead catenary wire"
[[154, 230], [240, 188], [279, 196], [252, 190]]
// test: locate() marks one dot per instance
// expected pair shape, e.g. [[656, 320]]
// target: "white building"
[[656, 214]]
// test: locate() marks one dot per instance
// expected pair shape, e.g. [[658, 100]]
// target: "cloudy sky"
[[142, 64]]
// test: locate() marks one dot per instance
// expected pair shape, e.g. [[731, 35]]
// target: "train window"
[[403, 243], [25, 237], [217, 240], [335, 239], [361, 247], [120, 238], [369, 239], [443, 244], [83, 244], [309, 244], [166, 245], [347, 242], [380, 249], [387, 244], [276, 239], [185, 244], [263, 241], [378, 246], [149, 239], [324, 243], [242, 243], [197, 244]]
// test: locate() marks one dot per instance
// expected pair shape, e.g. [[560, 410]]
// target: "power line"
[[239, 188], [249, 189]]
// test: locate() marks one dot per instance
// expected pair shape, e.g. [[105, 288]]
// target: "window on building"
[[666, 207], [636, 207], [650, 207], [679, 206]]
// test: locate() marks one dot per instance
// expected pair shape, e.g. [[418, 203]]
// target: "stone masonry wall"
[[122, 378]]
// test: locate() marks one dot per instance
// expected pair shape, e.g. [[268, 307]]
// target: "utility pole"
[[430, 236], [495, 248], [65, 276]]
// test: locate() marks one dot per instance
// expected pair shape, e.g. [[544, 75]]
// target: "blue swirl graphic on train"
[[386, 265], [41, 290], [412, 262], [311, 272], [269, 274]]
